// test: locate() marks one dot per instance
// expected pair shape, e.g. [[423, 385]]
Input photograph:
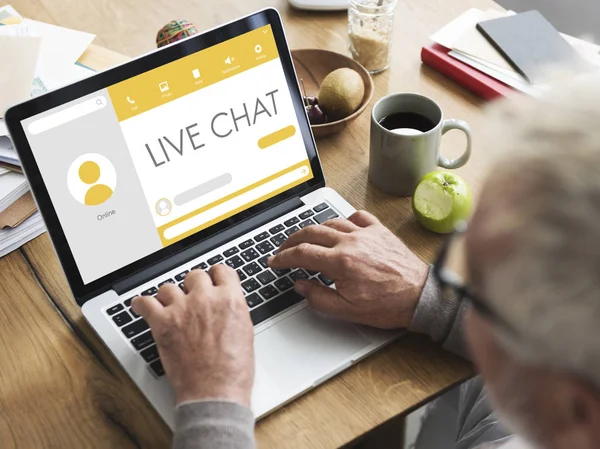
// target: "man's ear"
[[584, 414]]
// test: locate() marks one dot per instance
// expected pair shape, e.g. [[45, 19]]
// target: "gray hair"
[[538, 227]]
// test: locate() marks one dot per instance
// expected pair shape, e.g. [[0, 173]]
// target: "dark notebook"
[[531, 45]]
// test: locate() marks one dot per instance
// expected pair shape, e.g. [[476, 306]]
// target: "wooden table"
[[61, 388]]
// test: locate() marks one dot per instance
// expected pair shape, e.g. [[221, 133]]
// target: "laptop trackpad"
[[306, 347]]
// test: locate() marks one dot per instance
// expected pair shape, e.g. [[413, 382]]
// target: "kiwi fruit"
[[341, 93]]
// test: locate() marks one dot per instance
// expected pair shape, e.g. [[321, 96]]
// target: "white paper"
[[3, 128], [7, 13], [13, 238], [12, 187], [4, 171], [61, 48], [19, 54], [8, 153]]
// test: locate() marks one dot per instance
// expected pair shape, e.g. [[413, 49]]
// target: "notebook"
[[531, 45]]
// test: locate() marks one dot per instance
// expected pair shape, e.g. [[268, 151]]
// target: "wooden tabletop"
[[61, 388]]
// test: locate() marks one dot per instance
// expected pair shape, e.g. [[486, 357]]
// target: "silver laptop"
[[194, 155]]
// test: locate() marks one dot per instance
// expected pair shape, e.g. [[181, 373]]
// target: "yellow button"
[[277, 136]]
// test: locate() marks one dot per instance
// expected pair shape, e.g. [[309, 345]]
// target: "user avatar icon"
[[163, 207], [91, 179]]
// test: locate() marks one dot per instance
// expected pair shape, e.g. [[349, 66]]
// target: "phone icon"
[[130, 100]]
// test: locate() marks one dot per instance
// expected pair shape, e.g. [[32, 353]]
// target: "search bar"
[[239, 201], [67, 115]]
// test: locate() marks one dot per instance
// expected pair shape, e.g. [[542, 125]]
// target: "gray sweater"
[[462, 419]]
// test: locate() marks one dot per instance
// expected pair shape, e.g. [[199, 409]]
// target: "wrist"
[[227, 393]]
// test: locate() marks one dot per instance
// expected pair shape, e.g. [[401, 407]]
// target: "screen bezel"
[[18, 113]]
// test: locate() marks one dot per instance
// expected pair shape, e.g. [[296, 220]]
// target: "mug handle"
[[462, 160]]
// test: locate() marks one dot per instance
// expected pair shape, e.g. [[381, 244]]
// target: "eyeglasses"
[[450, 269]]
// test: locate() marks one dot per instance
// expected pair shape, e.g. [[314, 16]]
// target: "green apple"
[[441, 200]]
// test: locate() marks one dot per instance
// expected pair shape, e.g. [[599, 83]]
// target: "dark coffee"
[[403, 120]]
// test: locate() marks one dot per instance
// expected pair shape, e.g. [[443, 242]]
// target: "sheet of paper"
[[11, 239], [3, 128], [20, 54], [8, 153], [4, 171], [9, 16], [61, 48], [449, 34], [522, 85]]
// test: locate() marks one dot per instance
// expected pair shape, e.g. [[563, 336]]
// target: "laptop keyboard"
[[268, 292]]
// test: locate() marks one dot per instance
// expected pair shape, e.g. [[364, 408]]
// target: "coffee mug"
[[399, 158]]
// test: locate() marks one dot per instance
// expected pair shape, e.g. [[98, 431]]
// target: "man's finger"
[[223, 275], [305, 255], [341, 224], [315, 235], [325, 299], [363, 219], [197, 279], [148, 307], [168, 294]]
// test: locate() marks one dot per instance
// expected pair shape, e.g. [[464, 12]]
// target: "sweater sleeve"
[[213, 425], [440, 318]]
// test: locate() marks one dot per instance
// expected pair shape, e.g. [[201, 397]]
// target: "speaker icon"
[[229, 60]]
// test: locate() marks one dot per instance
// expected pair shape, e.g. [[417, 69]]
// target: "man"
[[523, 284]]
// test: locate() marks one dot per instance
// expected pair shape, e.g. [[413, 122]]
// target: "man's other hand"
[[204, 337], [378, 279]]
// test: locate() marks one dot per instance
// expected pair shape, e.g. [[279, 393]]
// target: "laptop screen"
[[153, 159]]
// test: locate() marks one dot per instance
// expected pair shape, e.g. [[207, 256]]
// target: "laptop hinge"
[[206, 245]]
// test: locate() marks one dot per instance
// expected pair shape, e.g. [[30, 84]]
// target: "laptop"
[[196, 154]]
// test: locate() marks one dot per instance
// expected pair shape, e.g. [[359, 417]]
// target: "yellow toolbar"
[[149, 90]]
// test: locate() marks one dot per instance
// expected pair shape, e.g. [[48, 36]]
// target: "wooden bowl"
[[313, 65]]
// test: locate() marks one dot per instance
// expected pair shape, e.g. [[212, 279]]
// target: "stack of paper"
[[467, 45], [12, 187], [38, 57]]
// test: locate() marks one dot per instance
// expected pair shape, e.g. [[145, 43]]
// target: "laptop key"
[[276, 229], [157, 368], [265, 247], [182, 286], [122, 319], [306, 223], [235, 262], [247, 244], [307, 213], [290, 231], [215, 259], [299, 274], [150, 354], [328, 214], [278, 239], [284, 283], [325, 280], [268, 292], [252, 268], [168, 281], [263, 261], [262, 236], [250, 285], [280, 273], [133, 314], [141, 341], [277, 305], [320, 207], [291, 221], [231, 251], [128, 302], [249, 255], [241, 275], [137, 327], [150, 292], [114, 309], [200, 266], [181, 276], [253, 300], [312, 273], [266, 277]]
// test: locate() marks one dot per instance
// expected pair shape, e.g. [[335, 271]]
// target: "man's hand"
[[378, 279], [204, 337]]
